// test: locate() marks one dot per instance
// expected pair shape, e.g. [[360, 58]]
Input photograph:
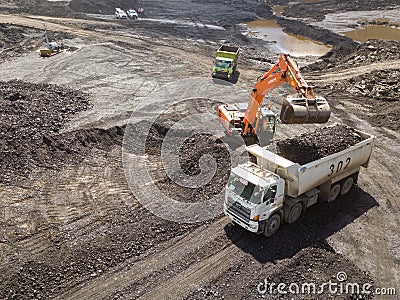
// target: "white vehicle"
[[260, 196], [120, 14], [132, 14]]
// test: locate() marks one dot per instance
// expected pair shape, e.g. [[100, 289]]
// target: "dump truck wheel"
[[295, 212], [347, 185], [272, 225], [334, 193]]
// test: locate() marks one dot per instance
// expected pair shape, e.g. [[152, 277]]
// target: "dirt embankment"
[[190, 147], [366, 53], [372, 94], [300, 27], [32, 116], [338, 42]]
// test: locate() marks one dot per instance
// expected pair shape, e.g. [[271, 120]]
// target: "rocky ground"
[[34, 141], [318, 9], [320, 264], [377, 91], [70, 227]]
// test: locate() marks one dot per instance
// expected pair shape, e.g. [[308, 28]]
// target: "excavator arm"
[[256, 123], [305, 108]]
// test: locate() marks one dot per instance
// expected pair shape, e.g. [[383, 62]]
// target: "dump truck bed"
[[228, 52], [302, 178], [227, 48]]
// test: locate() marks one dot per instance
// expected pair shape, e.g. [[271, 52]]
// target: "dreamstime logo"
[[341, 276], [177, 112], [342, 287]]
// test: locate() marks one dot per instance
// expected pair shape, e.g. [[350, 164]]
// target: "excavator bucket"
[[300, 110]]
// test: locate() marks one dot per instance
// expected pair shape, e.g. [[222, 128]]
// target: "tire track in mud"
[[196, 275], [203, 271], [136, 269], [74, 202]]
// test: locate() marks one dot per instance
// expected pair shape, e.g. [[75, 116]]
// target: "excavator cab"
[[301, 110], [266, 125]]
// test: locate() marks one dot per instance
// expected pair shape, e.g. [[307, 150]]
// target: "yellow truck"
[[225, 62]]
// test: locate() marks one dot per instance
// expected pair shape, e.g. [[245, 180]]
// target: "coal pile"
[[325, 141], [190, 153], [196, 153], [32, 116]]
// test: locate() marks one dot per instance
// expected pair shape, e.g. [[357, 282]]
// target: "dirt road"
[[75, 231], [355, 71]]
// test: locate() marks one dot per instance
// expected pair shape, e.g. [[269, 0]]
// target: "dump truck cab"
[[252, 196], [223, 68]]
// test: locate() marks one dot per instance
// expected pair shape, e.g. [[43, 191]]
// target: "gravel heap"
[[31, 118]]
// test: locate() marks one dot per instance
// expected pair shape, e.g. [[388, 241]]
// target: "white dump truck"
[[259, 197]]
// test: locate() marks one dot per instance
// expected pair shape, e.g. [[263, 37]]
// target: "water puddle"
[[292, 44], [379, 32], [348, 23]]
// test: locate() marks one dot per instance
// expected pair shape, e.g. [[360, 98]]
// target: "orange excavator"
[[254, 122]]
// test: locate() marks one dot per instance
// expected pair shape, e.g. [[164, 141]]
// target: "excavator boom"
[[301, 108]]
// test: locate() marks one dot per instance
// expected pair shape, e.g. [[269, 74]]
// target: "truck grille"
[[221, 74], [237, 209]]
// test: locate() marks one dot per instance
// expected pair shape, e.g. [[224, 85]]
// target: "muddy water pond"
[[364, 25], [292, 44], [379, 32]]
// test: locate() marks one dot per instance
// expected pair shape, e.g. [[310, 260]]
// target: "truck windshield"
[[244, 189], [222, 64]]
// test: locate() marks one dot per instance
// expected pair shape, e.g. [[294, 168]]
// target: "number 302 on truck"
[[260, 196]]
